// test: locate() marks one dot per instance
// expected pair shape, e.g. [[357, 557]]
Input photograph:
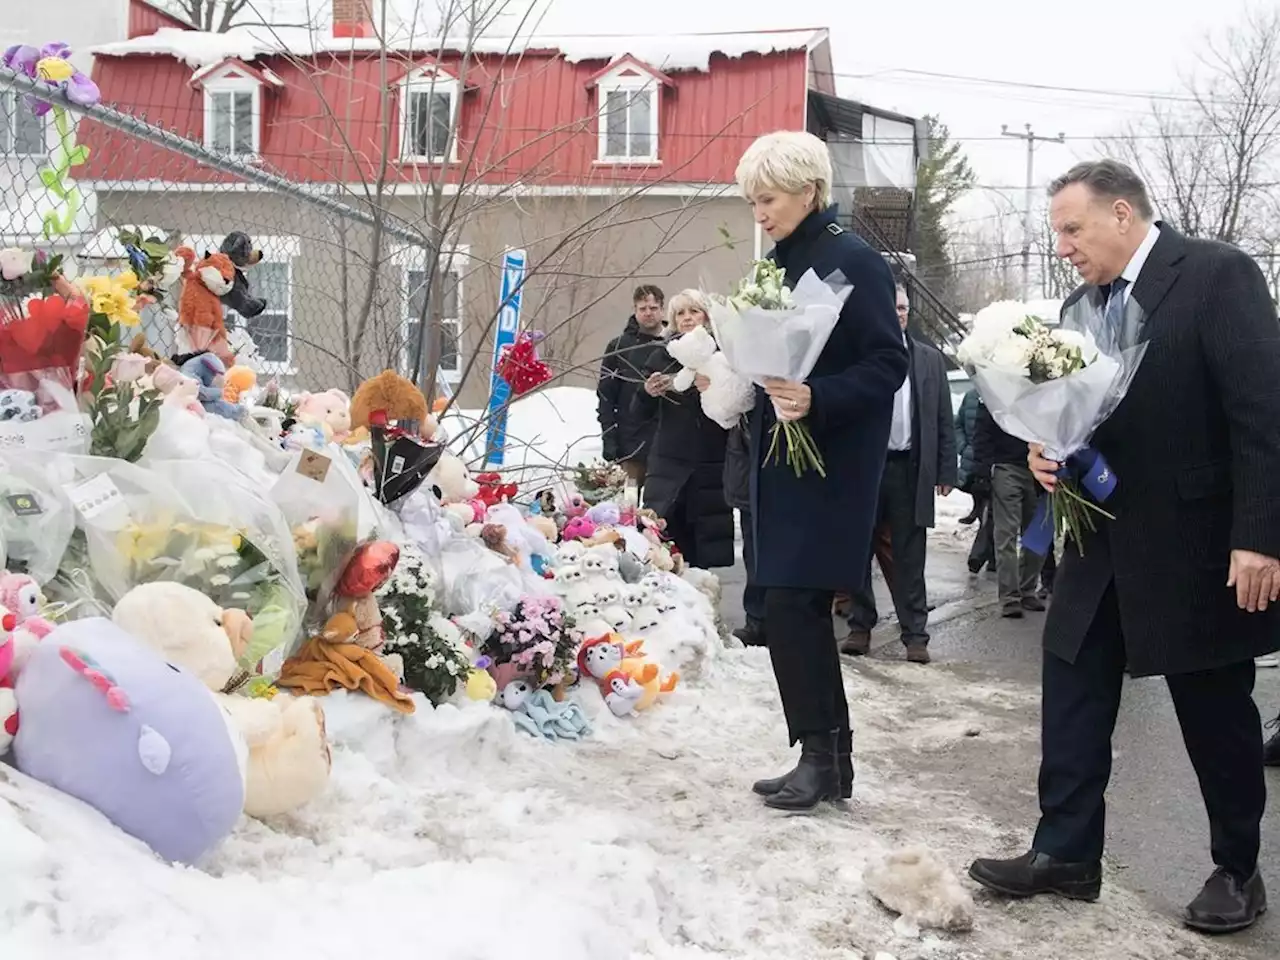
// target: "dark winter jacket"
[[933, 449], [626, 427], [966, 428], [814, 532], [992, 446], [737, 468], [686, 469]]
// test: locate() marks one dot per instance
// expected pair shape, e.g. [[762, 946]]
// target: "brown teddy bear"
[[395, 396]]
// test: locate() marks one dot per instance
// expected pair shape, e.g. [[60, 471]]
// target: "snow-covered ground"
[[449, 835]]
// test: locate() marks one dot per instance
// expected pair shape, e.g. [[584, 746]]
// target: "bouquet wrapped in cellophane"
[[769, 331], [1055, 386], [193, 523]]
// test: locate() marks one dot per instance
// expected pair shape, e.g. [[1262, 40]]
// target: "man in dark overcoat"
[[920, 463], [1183, 582]]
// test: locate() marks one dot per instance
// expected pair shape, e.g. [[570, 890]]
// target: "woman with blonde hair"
[[813, 533], [685, 481]]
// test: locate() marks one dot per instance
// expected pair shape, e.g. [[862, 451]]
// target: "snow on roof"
[[664, 52]]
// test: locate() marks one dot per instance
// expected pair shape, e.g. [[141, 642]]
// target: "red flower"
[[520, 366]]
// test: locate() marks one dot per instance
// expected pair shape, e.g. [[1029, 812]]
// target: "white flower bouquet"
[[769, 331], [1053, 386]]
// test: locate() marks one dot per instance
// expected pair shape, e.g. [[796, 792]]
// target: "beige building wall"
[[346, 303]]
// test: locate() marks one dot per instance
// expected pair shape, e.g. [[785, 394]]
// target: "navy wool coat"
[[812, 532]]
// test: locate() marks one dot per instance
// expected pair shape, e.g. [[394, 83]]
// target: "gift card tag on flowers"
[[23, 505], [314, 465], [99, 499]]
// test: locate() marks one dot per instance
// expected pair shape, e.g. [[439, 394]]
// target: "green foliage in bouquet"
[[764, 287], [35, 281], [435, 658], [599, 482], [322, 549], [124, 416], [153, 262]]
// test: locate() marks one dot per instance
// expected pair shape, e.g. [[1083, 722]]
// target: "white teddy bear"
[[730, 395]]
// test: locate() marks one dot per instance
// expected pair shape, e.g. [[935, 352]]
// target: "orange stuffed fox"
[[199, 309]]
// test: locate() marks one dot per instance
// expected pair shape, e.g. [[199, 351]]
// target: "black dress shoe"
[[844, 767], [1226, 905], [815, 779], [752, 635], [1271, 749], [856, 645], [1034, 873]]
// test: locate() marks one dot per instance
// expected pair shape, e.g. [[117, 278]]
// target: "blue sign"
[[504, 335]]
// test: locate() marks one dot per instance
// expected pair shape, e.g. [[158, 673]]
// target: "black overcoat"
[[1195, 447], [814, 532]]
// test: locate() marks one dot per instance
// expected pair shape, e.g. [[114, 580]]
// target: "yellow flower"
[[55, 69], [113, 297]]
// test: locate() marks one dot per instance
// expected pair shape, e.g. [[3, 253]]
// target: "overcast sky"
[[1126, 47]]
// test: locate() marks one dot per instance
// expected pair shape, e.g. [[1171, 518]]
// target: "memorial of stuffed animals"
[[194, 560]]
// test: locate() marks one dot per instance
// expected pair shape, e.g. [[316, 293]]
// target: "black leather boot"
[[1271, 749], [815, 779], [1034, 873], [844, 766]]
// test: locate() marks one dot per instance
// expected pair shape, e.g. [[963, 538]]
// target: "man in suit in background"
[[1184, 581], [921, 461]]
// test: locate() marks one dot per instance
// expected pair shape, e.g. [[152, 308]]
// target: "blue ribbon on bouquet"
[[1090, 469]]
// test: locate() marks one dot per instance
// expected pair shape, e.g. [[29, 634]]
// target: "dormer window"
[[233, 107], [428, 116], [629, 101]]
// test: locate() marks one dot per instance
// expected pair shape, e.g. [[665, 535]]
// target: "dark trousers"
[[905, 572], [983, 551], [682, 528], [752, 594], [806, 664], [1219, 723]]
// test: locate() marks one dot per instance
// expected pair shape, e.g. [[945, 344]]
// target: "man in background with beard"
[[626, 427]]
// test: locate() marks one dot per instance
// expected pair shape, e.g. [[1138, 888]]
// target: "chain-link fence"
[[342, 284]]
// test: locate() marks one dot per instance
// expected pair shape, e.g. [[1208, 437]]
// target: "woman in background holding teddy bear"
[[685, 481]]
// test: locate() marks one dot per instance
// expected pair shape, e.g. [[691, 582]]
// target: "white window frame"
[[18, 104], [279, 249], [414, 259], [231, 83], [615, 82], [429, 80]]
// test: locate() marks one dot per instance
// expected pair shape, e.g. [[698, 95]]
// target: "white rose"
[[1012, 355], [15, 263]]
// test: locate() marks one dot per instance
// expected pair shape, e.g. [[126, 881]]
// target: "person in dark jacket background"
[[685, 475], [737, 492], [813, 533], [920, 464], [625, 426], [1014, 495], [968, 479]]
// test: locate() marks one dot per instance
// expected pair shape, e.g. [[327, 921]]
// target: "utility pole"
[[1032, 140]]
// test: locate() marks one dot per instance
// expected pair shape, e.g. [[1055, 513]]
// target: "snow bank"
[[667, 52], [546, 432]]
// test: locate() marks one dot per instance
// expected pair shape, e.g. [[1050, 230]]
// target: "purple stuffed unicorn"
[[109, 722]]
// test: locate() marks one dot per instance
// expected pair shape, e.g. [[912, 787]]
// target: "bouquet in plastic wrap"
[[320, 498], [195, 524], [401, 458], [42, 335], [768, 331], [537, 640], [1055, 387], [36, 517]]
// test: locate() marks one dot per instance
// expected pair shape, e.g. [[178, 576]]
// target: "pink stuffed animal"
[[20, 594], [579, 528], [8, 701], [331, 408], [575, 506]]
